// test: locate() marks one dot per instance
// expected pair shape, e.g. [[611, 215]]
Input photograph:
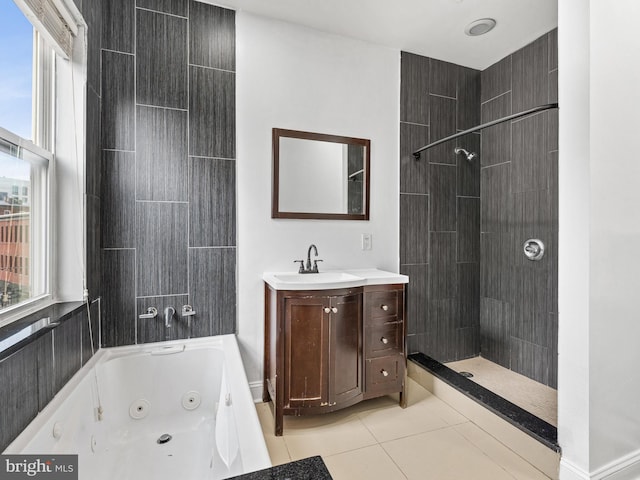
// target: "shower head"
[[470, 155]]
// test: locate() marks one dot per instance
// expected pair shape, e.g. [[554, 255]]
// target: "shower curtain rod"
[[531, 111]]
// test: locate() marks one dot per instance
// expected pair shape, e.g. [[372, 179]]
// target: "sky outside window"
[[16, 70]]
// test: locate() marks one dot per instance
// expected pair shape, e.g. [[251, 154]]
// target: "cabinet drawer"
[[384, 303], [385, 373], [383, 340]]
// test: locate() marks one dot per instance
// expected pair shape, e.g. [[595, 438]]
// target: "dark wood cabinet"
[[329, 349]]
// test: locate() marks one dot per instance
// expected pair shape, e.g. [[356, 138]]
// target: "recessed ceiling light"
[[480, 27]]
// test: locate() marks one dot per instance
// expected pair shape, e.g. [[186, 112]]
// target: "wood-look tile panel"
[[19, 393], [212, 209], [496, 79], [468, 106], [531, 75], [417, 297], [414, 174], [212, 35], [161, 60], [469, 171], [161, 248], [468, 228], [495, 319], [118, 25], [212, 286], [212, 117], [161, 154], [443, 273], [118, 101], [414, 88], [119, 280], [414, 228], [495, 198], [66, 350], [496, 140], [443, 180], [118, 199], [530, 147], [443, 78]]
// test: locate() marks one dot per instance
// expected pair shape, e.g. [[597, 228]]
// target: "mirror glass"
[[320, 176]]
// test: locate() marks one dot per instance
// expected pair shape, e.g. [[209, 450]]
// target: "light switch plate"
[[366, 241]]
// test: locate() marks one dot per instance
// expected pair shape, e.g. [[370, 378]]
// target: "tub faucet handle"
[[152, 312], [187, 311]]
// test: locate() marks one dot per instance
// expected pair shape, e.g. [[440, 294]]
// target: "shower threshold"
[[525, 421]]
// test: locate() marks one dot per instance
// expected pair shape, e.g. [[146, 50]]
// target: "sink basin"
[[331, 279], [311, 281], [322, 277]]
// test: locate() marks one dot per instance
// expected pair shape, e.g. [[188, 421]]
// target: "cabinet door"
[[306, 352], [346, 348]]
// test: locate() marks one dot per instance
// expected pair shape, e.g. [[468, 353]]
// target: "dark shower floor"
[[528, 394]]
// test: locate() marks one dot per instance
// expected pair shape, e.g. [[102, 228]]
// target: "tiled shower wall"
[[440, 207], [166, 182], [463, 225], [519, 198]]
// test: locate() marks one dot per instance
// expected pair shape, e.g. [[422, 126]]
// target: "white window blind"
[[53, 20]]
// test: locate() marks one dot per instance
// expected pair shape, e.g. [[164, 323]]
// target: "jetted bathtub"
[[178, 409]]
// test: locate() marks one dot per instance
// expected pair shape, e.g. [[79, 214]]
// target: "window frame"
[[40, 154]]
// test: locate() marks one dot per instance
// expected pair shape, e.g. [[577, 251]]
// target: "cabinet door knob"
[[384, 373], [384, 307], [384, 340], [334, 310], [327, 310]]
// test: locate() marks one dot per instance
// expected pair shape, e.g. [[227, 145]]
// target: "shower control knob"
[[533, 249]]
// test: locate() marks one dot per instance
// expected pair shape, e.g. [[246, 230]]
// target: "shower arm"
[[531, 111]]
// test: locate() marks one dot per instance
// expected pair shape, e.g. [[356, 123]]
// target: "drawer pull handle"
[[384, 373], [384, 340], [334, 310], [327, 310], [384, 307]]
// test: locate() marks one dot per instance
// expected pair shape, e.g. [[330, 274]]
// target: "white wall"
[[297, 78], [599, 391]]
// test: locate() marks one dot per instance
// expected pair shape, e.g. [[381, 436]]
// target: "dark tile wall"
[[168, 168], [440, 208], [462, 225], [519, 177], [31, 376]]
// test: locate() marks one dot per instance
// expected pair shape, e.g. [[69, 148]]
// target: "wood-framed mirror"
[[318, 176]]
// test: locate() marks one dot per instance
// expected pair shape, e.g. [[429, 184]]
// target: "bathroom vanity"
[[332, 340]]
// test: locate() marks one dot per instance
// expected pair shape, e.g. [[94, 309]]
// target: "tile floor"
[[534, 397], [377, 439]]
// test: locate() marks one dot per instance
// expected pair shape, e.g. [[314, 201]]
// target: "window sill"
[[30, 327]]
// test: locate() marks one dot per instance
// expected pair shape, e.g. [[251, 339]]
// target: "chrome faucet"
[[309, 268], [169, 312]]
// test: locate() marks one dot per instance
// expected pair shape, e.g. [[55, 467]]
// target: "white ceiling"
[[434, 28]]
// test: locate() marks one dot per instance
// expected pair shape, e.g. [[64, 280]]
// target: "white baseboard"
[[569, 471], [624, 468], [256, 391]]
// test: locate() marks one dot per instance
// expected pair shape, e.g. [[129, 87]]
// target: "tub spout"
[[169, 312]]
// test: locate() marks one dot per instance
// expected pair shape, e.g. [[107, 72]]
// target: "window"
[[33, 35]]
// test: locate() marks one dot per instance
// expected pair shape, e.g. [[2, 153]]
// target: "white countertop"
[[331, 279]]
